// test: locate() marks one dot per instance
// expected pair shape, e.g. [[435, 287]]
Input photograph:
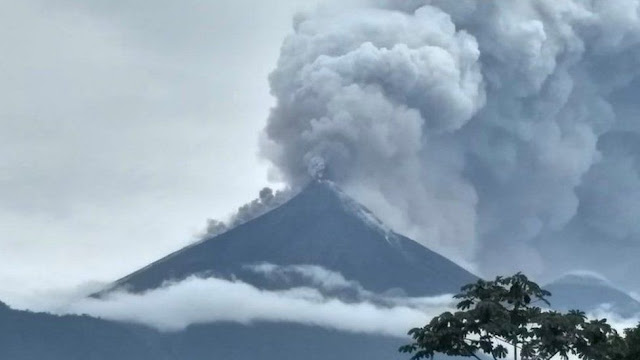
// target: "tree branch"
[[471, 353]]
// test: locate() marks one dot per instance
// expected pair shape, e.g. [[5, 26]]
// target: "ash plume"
[[501, 133], [267, 200]]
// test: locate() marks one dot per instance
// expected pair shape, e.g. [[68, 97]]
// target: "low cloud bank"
[[198, 300]]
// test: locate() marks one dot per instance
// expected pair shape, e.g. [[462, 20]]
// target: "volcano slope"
[[320, 227]]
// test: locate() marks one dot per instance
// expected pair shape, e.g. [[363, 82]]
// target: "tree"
[[494, 317], [632, 342], [627, 347]]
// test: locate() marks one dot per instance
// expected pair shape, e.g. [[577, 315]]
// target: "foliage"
[[627, 347], [632, 342], [496, 316]]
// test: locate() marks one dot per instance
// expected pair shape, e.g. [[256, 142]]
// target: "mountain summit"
[[320, 226], [589, 292]]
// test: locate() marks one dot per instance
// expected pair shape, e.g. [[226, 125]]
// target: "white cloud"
[[318, 276], [206, 300]]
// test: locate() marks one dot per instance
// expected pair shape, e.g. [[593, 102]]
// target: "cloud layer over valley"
[[198, 300]]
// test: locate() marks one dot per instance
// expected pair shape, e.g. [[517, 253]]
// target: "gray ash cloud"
[[501, 133]]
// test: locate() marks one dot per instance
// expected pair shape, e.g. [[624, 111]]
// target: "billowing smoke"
[[501, 133], [267, 200]]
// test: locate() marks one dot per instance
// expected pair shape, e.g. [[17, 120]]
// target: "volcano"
[[320, 226]]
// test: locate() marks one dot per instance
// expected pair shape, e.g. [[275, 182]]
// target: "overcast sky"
[[124, 126]]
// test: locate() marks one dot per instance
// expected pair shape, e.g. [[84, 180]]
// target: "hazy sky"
[[502, 134], [124, 126]]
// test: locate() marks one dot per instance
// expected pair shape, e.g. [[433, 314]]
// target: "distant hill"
[[35, 336], [587, 292]]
